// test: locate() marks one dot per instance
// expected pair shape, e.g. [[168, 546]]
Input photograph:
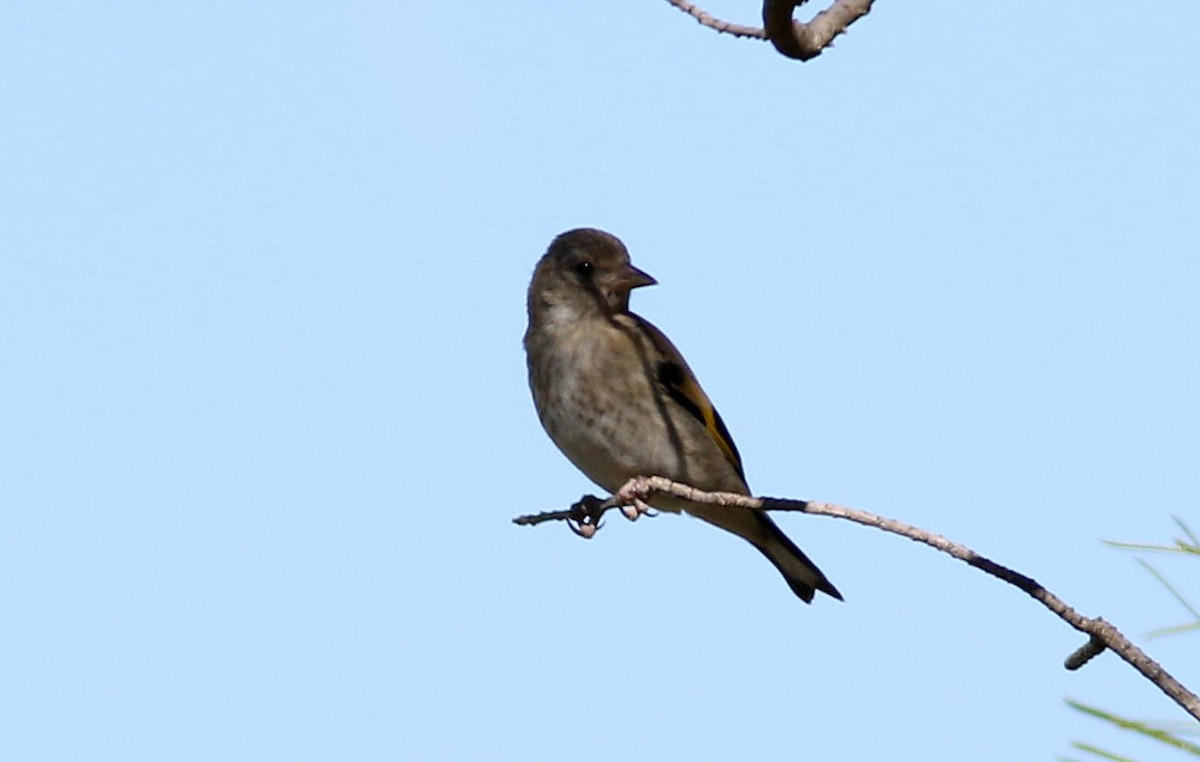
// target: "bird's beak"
[[629, 277]]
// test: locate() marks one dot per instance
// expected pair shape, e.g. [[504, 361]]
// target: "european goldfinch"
[[619, 400]]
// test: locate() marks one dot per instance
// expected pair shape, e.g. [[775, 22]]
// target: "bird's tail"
[[801, 574]]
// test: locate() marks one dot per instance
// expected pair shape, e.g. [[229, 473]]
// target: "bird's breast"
[[595, 400], [597, 396]]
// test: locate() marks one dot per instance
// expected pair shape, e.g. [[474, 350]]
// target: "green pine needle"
[[1137, 726]]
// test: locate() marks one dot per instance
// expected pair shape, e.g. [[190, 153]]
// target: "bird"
[[618, 399]]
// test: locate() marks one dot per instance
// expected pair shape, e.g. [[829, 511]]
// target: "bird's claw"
[[636, 509], [583, 529], [632, 498], [584, 519]]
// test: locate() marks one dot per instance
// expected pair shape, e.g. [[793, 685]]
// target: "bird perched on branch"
[[619, 400]]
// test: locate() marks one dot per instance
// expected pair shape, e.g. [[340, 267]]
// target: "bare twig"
[[1085, 653], [1101, 635], [791, 38], [706, 19]]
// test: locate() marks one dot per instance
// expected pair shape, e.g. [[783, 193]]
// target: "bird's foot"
[[636, 509], [632, 498], [584, 518]]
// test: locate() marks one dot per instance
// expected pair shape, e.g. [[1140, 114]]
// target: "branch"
[[706, 19], [806, 41], [1101, 635], [791, 38]]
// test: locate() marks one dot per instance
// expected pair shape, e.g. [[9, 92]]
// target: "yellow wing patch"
[[683, 389]]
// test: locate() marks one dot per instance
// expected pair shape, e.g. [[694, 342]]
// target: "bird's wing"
[[680, 383]]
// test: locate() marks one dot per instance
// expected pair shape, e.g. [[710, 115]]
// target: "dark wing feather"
[[681, 385]]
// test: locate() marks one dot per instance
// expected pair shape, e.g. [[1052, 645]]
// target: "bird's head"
[[584, 271]]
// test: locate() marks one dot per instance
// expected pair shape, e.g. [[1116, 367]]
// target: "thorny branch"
[[585, 515], [791, 38]]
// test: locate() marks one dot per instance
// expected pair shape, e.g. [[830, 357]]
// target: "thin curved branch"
[[1101, 634], [791, 38], [726, 27]]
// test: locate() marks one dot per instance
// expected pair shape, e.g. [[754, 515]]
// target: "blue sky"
[[265, 421]]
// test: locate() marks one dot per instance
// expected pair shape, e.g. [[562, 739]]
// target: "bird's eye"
[[584, 268]]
